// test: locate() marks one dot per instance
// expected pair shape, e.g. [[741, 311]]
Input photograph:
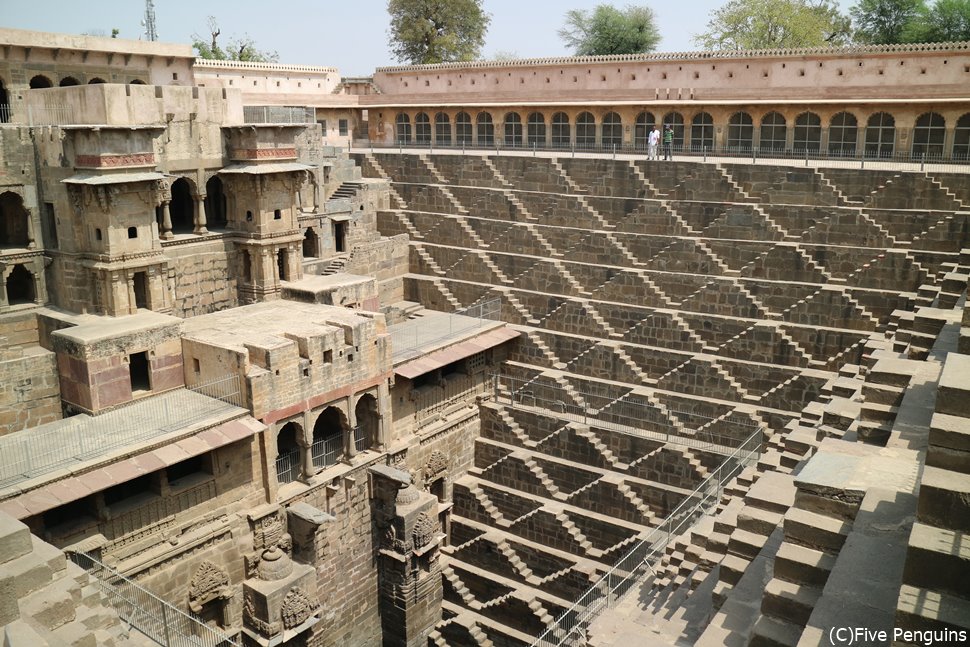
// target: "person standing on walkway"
[[653, 141], [668, 142]]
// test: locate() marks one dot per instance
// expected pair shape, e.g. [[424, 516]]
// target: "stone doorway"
[[139, 373], [340, 236], [13, 221], [20, 286], [140, 285], [182, 207], [215, 204], [311, 244]]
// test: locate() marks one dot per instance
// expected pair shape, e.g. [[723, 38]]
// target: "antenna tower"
[[149, 22]]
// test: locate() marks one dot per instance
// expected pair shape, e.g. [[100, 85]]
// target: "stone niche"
[[279, 595]]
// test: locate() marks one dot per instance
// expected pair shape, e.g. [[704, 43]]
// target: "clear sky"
[[348, 34]]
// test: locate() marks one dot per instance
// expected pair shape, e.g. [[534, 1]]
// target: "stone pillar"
[[166, 222], [410, 590], [350, 446], [383, 415], [200, 218], [31, 241]]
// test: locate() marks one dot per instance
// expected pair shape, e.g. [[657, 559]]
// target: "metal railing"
[[570, 627], [917, 158], [30, 453], [412, 337], [148, 613], [288, 466], [361, 441], [326, 452], [624, 412], [278, 115]]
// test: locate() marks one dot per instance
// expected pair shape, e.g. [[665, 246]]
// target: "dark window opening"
[[20, 286], [246, 267], [311, 243], [277, 214], [13, 220], [140, 285], [340, 236], [131, 492], [4, 104], [75, 513], [68, 81], [215, 204], [189, 471], [281, 265], [95, 81], [39, 82], [132, 232], [437, 489], [365, 435], [328, 434], [344, 126], [182, 207], [288, 453], [139, 372], [50, 226]]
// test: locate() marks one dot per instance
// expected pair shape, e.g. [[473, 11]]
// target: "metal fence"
[[631, 569], [326, 452], [288, 466], [30, 453], [410, 338], [148, 613], [278, 115], [916, 159], [626, 413]]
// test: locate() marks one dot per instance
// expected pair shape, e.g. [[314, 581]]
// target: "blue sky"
[[349, 35]]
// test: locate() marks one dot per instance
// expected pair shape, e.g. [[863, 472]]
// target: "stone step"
[[923, 609], [949, 443], [944, 499], [789, 601], [938, 559], [746, 544], [814, 530], [773, 492], [758, 520], [733, 568], [772, 632], [803, 565], [14, 539]]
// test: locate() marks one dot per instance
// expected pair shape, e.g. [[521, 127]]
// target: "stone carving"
[[208, 583], [76, 195], [297, 608], [437, 464], [425, 529], [269, 530], [407, 495]]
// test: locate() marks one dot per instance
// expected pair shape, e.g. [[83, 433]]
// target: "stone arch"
[[311, 243], [843, 134], [740, 132], [182, 207], [702, 132], [485, 129], [676, 120], [513, 129], [611, 130], [643, 124], [402, 124], [961, 138], [368, 422], [39, 82], [442, 129], [14, 221], [422, 128], [929, 135], [807, 133], [96, 80], [136, 82], [880, 135], [774, 132], [289, 439], [561, 137], [216, 203], [68, 81], [536, 129], [327, 443], [20, 287], [463, 128], [585, 130]]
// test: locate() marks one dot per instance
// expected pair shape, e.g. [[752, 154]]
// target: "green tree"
[[881, 22], [237, 49], [770, 24], [608, 30], [436, 31], [946, 21]]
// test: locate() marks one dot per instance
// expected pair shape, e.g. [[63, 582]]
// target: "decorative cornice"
[[963, 46], [114, 161], [263, 153], [266, 67]]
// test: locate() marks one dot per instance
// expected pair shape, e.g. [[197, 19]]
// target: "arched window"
[[20, 286], [929, 136], [365, 435], [442, 129], [68, 81], [182, 207], [536, 129], [843, 135], [463, 128], [702, 132], [13, 221], [328, 437], [880, 135], [641, 130], [560, 130], [585, 130], [403, 124], [136, 82], [740, 132], [40, 81], [4, 104], [96, 80], [311, 243], [216, 209], [808, 133], [612, 130], [774, 132], [422, 128], [485, 128], [961, 138], [513, 129], [676, 120], [288, 453]]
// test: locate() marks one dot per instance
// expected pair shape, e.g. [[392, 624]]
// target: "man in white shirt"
[[653, 140]]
